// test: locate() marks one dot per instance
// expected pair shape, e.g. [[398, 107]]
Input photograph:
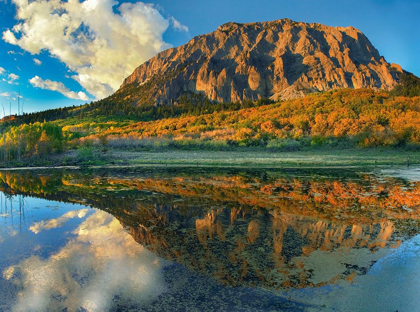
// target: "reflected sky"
[[210, 240], [97, 264], [392, 284]]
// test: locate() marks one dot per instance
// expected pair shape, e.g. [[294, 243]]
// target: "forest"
[[348, 118]]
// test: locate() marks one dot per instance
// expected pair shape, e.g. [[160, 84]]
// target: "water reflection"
[[101, 268], [392, 284], [265, 249], [37, 227], [98, 264], [266, 229]]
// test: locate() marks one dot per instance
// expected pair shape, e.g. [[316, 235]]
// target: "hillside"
[[336, 119], [188, 98], [279, 60], [363, 118]]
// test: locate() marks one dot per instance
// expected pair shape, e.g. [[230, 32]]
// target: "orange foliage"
[[375, 117]]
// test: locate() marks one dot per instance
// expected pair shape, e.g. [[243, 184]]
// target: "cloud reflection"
[[102, 266], [55, 223]]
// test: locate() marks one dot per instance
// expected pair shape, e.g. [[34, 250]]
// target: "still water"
[[206, 239]]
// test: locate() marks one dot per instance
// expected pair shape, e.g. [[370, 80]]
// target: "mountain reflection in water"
[[267, 229]]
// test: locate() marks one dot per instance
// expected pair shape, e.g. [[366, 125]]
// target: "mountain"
[[281, 59]]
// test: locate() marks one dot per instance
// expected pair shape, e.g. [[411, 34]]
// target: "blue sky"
[[58, 53]]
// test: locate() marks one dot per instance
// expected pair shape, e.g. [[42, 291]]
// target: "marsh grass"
[[319, 158]]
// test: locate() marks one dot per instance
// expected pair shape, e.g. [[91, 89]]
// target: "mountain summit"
[[281, 59]]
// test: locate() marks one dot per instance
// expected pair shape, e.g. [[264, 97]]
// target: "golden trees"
[[43, 147]]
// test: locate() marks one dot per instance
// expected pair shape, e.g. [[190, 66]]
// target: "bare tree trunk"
[[2, 132], [4, 136], [18, 130], [10, 115], [5, 148], [21, 111]]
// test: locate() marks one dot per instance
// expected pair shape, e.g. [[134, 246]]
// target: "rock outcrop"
[[280, 60]]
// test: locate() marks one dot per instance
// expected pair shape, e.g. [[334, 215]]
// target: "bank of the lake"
[[250, 158], [258, 158]]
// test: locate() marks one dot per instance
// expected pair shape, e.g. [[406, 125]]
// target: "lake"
[[176, 239]]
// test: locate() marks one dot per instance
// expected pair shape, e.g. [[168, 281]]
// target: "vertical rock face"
[[256, 248], [280, 60]]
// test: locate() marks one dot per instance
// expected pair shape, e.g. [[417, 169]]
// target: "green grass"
[[241, 158], [337, 158]]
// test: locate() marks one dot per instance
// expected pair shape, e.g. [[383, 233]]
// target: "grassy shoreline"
[[342, 158], [346, 158]]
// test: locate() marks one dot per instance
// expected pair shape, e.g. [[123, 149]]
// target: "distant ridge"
[[281, 59]]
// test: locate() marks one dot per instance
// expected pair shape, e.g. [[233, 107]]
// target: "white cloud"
[[14, 53], [100, 263], [37, 62], [177, 25], [102, 47], [12, 78], [59, 87], [5, 94], [2, 70], [9, 37]]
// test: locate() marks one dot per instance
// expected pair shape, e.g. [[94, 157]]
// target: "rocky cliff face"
[[256, 248], [280, 60]]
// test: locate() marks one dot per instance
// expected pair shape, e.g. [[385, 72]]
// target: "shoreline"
[[148, 165], [252, 159], [216, 166]]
